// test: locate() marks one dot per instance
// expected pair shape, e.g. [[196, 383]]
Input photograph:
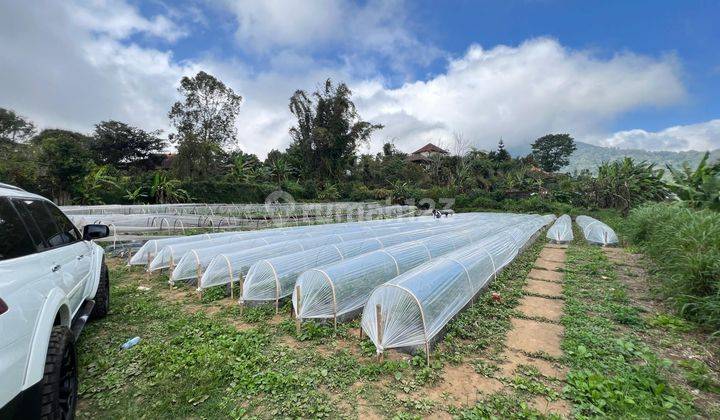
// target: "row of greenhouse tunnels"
[[403, 273]]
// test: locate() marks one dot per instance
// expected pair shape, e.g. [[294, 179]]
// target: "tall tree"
[[328, 133], [123, 146], [552, 151], [18, 165], [501, 155], [14, 128], [208, 110], [65, 160], [205, 122]]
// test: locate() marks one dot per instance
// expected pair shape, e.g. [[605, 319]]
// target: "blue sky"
[[618, 73]]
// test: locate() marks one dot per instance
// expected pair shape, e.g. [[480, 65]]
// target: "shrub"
[[210, 191], [685, 245]]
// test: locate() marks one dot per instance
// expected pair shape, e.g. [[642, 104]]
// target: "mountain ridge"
[[589, 156]]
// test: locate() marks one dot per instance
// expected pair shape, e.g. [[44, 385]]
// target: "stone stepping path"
[[534, 340], [537, 331]]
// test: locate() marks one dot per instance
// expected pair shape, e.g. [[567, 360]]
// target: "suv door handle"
[[55, 268]]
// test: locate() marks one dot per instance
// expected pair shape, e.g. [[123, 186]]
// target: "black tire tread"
[[60, 337], [102, 296]]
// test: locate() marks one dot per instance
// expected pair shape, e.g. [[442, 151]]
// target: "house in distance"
[[425, 154]]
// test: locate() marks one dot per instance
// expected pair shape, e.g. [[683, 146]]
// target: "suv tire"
[[60, 383], [102, 296]]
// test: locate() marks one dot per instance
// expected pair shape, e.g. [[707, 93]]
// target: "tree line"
[[119, 163]]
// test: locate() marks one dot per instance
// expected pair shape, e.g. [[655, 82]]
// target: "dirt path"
[[531, 352], [671, 337], [536, 334]]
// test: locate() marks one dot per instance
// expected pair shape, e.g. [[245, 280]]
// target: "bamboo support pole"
[[299, 302], [378, 320]]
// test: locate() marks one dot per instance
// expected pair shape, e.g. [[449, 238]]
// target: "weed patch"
[[611, 372]]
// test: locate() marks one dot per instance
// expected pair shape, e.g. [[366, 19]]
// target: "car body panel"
[[41, 290]]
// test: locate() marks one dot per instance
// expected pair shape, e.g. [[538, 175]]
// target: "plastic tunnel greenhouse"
[[194, 260], [171, 254], [411, 309], [342, 288], [226, 267], [596, 232], [150, 248], [274, 278], [561, 230]]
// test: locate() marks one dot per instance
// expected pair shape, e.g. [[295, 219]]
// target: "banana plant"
[[699, 187]]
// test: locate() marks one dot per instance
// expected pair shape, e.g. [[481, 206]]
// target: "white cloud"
[[701, 136], [378, 27], [73, 75], [285, 23], [79, 71], [119, 20], [520, 93]]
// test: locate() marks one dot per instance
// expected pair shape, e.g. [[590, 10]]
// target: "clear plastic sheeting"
[[412, 308], [274, 278], [194, 259], [150, 248], [561, 230], [176, 217], [170, 254], [226, 267], [334, 290], [596, 232]]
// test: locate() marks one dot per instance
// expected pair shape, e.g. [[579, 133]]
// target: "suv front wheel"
[[60, 383]]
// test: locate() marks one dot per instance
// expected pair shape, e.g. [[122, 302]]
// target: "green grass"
[[196, 365], [612, 373], [685, 246], [203, 366]]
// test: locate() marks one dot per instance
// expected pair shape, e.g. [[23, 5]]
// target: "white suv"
[[51, 280]]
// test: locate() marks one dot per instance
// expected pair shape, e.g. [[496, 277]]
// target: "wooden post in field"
[[378, 321], [147, 268], [427, 352], [297, 318], [241, 302]]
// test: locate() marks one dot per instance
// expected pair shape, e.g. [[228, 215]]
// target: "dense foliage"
[[699, 187], [685, 245], [553, 150], [119, 163]]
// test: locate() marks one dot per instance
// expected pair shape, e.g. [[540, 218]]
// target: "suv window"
[[15, 239], [52, 224], [67, 227]]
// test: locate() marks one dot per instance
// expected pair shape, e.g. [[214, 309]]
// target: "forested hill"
[[588, 156]]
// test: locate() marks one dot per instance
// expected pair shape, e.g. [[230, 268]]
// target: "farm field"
[[620, 353]]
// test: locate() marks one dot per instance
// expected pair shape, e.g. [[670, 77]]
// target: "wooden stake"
[[378, 321], [427, 352], [297, 318], [147, 268]]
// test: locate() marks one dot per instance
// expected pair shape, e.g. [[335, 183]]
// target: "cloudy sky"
[[640, 74]]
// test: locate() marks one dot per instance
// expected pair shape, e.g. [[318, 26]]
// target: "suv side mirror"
[[91, 232]]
